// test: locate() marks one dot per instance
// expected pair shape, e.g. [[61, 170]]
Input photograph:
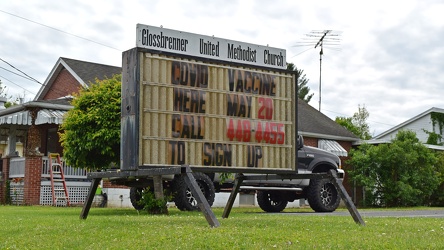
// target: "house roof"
[[18, 116], [84, 72], [313, 123], [413, 119]]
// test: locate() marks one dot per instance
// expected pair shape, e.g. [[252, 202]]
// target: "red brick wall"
[[309, 141], [108, 184], [5, 171], [33, 173], [65, 84]]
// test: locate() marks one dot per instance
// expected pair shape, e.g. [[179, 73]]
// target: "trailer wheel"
[[184, 199], [323, 196], [135, 197], [271, 201]]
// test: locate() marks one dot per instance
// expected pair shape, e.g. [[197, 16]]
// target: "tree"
[[401, 173], [437, 198], [90, 133], [9, 100], [303, 89], [2, 89], [357, 124]]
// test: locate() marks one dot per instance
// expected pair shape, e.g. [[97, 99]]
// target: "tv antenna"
[[320, 39]]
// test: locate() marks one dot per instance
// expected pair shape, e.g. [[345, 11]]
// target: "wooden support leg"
[[90, 198], [346, 198], [158, 187], [200, 198], [237, 183]]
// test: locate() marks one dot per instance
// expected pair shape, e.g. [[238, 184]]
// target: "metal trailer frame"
[[186, 172]]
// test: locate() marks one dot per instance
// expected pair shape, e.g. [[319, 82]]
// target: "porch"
[[76, 181]]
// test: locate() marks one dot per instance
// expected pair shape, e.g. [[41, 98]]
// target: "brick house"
[[35, 124]]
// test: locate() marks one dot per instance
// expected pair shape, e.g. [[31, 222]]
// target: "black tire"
[[323, 196], [271, 201], [184, 199], [135, 197]]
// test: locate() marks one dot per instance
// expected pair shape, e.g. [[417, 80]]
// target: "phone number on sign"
[[245, 130]]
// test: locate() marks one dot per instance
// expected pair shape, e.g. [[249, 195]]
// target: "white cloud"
[[390, 57]]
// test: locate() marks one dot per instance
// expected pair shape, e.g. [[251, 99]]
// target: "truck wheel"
[[323, 196], [184, 199], [270, 201], [135, 197]]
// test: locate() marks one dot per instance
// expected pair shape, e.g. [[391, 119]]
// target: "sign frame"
[[132, 112]]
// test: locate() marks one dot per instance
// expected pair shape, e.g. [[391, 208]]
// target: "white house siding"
[[416, 126]]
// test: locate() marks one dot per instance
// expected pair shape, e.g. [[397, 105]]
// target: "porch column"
[[32, 180], [12, 141], [33, 164], [4, 179]]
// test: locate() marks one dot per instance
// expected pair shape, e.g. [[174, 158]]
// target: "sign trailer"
[[199, 103]]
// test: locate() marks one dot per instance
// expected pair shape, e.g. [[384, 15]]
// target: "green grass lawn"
[[35, 227]]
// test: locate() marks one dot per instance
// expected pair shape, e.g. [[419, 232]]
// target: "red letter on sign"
[[265, 108]]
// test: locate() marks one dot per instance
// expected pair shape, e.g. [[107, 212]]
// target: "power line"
[[344, 115], [16, 84], [10, 71], [62, 31], [26, 77], [30, 77], [47, 26]]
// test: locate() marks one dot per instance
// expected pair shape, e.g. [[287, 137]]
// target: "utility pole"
[[320, 76]]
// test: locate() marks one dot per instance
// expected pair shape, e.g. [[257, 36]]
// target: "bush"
[[437, 198], [90, 133], [153, 205], [402, 173]]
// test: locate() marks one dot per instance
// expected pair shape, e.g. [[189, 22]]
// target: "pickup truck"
[[272, 195], [322, 196]]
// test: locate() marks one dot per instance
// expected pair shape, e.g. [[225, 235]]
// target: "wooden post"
[[202, 202], [89, 199], [158, 187], [346, 198], [237, 183]]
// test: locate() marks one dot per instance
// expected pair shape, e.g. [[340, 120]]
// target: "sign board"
[[184, 43], [188, 110]]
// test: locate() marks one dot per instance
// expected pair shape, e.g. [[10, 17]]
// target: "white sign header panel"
[[185, 43]]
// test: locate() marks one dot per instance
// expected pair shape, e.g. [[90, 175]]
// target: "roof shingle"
[[312, 121]]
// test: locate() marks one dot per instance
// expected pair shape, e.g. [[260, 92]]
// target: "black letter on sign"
[[208, 154], [232, 103], [175, 73], [177, 148], [254, 156]]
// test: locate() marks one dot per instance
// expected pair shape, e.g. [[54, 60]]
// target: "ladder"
[[58, 183]]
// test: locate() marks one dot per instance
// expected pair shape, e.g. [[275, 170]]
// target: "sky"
[[389, 56]]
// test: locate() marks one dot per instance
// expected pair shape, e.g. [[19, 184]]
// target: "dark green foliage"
[[402, 173], [302, 81], [434, 138], [90, 133], [357, 124], [437, 198], [437, 119], [347, 122], [153, 205], [8, 199]]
